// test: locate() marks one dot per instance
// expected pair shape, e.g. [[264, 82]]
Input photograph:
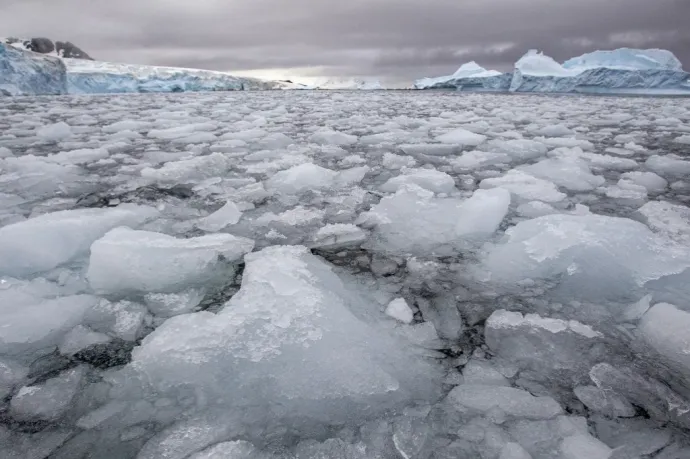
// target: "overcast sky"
[[392, 39]]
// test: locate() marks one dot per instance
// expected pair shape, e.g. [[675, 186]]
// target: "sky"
[[394, 40]]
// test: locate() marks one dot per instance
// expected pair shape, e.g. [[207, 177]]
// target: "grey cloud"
[[391, 38]]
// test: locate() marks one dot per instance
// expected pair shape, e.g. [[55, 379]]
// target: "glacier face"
[[24, 73], [88, 77], [619, 71]]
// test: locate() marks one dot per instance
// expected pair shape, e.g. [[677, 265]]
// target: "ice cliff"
[[622, 70]]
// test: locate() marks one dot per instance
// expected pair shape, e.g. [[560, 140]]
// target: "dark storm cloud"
[[400, 38]]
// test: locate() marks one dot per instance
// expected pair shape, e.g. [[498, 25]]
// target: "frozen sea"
[[302, 275]]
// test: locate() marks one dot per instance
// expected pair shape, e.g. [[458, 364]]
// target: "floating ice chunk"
[[400, 311], [190, 436], [462, 137], [628, 191], [227, 215], [525, 186], [587, 250], [97, 417], [534, 209], [555, 130], [429, 179], [664, 327], [515, 403], [567, 142], [301, 178], [126, 125], [190, 170], [180, 131], [292, 217], [54, 132], [584, 446], [291, 339], [607, 403], [478, 159], [32, 324], [635, 311], [670, 220], [275, 141], [669, 165], [594, 160], [197, 137], [518, 149], [125, 260], [482, 373], [50, 240], [338, 236], [570, 173], [351, 176], [429, 149], [230, 450], [546, 346], [248, 135], [330, 137], [82, 156], [123, 319], [173, 304], [333, 448], [80, 338], [619, 151], [413, 220], [684, 139], [5, 152], [11, 375], [514, 451], [391, 161], [47, 401], [651, 181]]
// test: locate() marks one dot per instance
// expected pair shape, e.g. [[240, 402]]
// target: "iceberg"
[[619, 71], [470, 76], [623, 70], [26, 73]]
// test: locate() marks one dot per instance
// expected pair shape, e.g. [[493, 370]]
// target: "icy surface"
[[369, 275]]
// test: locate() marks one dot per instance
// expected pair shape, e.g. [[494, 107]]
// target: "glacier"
[[25, 73], [89, 77], [624, 70]]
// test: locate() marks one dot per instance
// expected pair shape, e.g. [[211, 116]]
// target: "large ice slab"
[[515, 403], [590, 254], [554, 349], [126, 260], [293, 340], [50, 240], [413, 220], [27, 73]]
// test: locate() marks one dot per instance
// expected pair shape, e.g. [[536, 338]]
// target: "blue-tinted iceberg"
[[27, 73], [620, 71], [624, 70], [470, 77]]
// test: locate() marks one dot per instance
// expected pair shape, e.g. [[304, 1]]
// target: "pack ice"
[[285, 275]]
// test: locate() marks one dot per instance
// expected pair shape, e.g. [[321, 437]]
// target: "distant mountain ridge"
[[47, 46]]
